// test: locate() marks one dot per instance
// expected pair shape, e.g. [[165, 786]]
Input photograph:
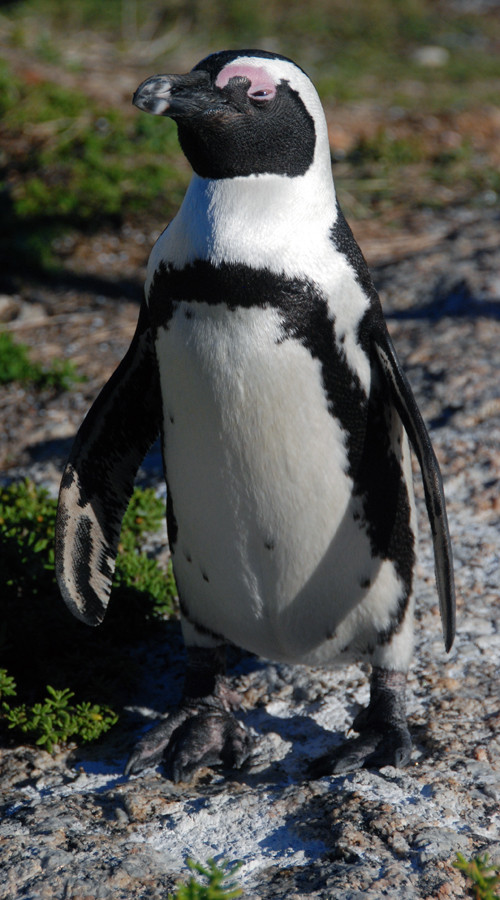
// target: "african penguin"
[[262, 357]]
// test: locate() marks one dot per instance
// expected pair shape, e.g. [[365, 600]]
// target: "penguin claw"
[[150, 749], [207, 739], [371, 750], [189, 739]]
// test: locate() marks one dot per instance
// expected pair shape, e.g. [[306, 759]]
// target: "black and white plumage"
[[263, 358]]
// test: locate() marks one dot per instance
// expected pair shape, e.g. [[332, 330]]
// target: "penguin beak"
[[178, 96]]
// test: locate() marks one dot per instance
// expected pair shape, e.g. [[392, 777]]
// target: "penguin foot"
[[384, 738], [190, 738], [371, 750], [207, 739], [202, 730], [150, 749]]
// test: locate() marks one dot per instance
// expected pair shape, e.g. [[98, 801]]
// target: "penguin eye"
[[262, 93]]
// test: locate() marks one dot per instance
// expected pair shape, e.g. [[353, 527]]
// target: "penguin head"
[[242, 113]]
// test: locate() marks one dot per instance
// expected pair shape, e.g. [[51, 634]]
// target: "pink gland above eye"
[[262, 86]]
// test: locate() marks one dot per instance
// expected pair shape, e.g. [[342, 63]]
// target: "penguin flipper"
[[413, 422], [99, 477]]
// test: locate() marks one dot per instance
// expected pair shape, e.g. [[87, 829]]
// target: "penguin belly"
[[270, 551]]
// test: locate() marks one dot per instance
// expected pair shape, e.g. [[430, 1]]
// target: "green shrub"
[[41, 643], [145, 513], [217, 883], [27, 520], [85, 166], [7, 685], [27, 523], [15, 365], [56, 721], [482, 875]]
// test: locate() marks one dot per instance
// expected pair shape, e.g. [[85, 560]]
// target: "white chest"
[[268, 551], [251, 426]]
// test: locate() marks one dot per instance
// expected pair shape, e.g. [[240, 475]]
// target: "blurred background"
[[411, 90]]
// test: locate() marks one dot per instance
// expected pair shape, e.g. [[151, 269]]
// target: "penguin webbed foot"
[[384, 738], [202, 730], [371, 750], [210, 738]]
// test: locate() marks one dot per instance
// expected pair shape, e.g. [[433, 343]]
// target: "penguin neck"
[[264, 221]]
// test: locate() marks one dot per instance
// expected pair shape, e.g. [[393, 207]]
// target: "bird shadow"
[[455, 300]]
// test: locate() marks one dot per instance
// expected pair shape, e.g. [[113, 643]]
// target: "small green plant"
[[482, 874], [145, 513], [134, 568], [16, 365], [7, 685], [136, 571], [40, 642], [27, 519], [217, 884], [56, 720], [61, 375]]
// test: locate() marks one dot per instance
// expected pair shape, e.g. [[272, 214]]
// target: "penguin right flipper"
[[99, 477], [433, 486]]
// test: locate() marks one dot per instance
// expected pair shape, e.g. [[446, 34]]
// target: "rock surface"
[[73, 827]]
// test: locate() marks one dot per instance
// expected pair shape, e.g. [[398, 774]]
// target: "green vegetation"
[[70, 161], [484, 879], [42, 644], [135, 571], [27, 518], [27, 521], [219, 882], [55, 720], [7, 685], [354, 47], [15, 365], [406, 167]]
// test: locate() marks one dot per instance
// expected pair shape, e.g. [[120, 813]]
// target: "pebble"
[[431, 57], [438, 843]]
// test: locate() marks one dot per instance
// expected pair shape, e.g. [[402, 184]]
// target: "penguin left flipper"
[[99, 477], [416, 430]]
